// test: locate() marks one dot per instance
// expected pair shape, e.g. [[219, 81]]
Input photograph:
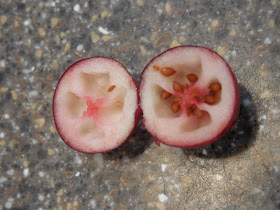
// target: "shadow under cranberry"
[[134, 146]]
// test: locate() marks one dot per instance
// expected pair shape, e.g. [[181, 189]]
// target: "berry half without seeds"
[[95, 105], [189, 97]]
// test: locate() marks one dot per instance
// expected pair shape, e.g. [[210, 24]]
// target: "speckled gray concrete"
[[39, 40]]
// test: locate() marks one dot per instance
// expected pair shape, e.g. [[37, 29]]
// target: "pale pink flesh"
[[95, 105], [180, 128]]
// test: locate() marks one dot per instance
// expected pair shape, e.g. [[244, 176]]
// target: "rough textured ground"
[[40, 39]]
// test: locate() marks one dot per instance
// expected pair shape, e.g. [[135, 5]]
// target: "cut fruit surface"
[[95, 105], [189, 97]]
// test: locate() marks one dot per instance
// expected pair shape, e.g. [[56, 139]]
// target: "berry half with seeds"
[[189, 97], [95, 105]]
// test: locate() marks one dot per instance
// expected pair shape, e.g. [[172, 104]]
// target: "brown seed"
[[217, 97], [189, 111], [178, 87], [156, 68], [194, 93], [167, 71], [192, 78], [209, 99], [175, 107], [111, 88], [215, 86], [165, 95]]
